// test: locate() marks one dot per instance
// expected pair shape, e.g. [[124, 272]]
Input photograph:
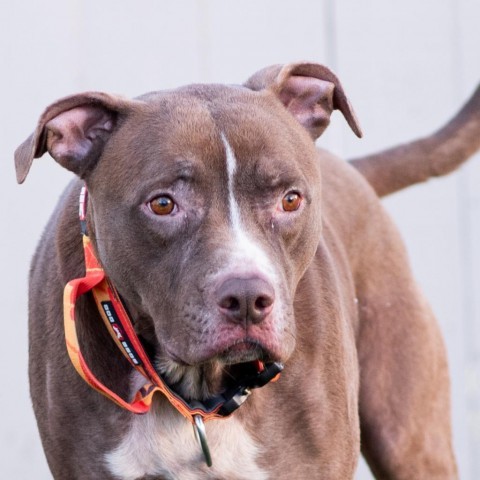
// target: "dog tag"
[[199, 429]]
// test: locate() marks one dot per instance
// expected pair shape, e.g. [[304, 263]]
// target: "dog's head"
[[204, 210]]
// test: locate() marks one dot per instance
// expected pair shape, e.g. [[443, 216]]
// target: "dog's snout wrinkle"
[[245, 300]]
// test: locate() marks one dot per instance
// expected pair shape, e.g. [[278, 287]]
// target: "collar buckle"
[[236, 396]]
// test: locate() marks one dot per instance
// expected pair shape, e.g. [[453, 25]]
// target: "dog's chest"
[[165, 446]]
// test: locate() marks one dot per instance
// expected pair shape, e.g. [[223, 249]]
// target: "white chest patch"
[[165, 445]]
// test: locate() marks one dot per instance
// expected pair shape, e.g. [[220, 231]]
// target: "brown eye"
[[291, 202], [162, 205]]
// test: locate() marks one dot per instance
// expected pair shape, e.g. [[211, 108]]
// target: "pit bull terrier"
[[233, 245]]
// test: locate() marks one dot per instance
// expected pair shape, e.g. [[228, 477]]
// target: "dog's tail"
[[432, 156]]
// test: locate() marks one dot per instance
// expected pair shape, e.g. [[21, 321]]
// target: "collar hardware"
[[200, 434]]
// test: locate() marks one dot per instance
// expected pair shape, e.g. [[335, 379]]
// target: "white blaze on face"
[[231, 169], [245, 250]]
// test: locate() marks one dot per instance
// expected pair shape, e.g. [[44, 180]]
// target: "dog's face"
[[205, 211]]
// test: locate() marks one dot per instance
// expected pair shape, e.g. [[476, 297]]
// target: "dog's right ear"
[[74, 131]]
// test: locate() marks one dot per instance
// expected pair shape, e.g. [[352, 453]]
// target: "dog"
[[234, 250]]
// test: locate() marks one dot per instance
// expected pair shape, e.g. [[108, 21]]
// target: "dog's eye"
[[291, 202], [162, 205]]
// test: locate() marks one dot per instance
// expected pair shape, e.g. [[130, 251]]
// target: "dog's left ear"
[[309, 91]]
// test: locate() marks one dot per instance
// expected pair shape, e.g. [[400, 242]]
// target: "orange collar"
[[120, 327]]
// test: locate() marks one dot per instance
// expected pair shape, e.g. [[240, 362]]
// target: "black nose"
[[245, 300]]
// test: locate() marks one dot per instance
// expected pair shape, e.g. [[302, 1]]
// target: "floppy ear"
[[309, 91], [74, 131]]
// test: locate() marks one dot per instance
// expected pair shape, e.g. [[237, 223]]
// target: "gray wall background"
[[407, 66]]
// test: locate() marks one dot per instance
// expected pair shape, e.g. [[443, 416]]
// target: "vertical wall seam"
[[330, 25], [464, 230], [204, 43], [78, 21]]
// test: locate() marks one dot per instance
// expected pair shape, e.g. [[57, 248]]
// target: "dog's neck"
[[197, 382]]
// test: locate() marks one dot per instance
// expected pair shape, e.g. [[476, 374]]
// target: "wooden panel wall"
[[407, 67]]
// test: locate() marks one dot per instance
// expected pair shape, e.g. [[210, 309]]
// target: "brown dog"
[[230, 239]]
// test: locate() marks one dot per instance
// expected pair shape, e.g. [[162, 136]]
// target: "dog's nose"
[[245, 300]]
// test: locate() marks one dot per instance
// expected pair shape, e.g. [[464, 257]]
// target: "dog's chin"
[[212, 376]]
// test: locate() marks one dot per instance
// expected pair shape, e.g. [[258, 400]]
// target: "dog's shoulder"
[[349, 203], [354, 215], [343, 183]]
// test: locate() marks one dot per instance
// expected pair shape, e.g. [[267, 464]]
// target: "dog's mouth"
[[243, 351], [215, 374], [242, 360]]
